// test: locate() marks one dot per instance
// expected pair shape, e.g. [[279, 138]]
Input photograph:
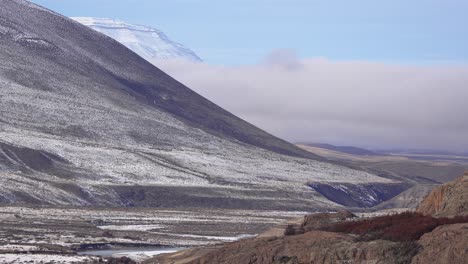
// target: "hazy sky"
[[379, 74], [361, 103], [244, 31]]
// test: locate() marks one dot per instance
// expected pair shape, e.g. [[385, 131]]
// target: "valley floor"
[[56, 235]]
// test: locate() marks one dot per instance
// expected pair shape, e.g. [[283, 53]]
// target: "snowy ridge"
[[113, 23], [148, 42], [34, 6]]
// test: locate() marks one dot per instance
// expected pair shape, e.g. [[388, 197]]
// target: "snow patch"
[[43, 258], [148, 42], [130, 227]]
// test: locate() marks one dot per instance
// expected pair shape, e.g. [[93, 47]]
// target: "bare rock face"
[[447, 200], [446, 244]]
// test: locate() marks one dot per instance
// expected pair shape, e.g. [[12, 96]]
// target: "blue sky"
[[245, 31]]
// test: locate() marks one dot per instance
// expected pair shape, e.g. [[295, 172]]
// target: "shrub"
[[290, 230], [122, 260], [405, 251], [107, 234], [406, 226]]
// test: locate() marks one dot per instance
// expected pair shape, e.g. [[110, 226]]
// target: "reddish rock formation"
[[447, 200]]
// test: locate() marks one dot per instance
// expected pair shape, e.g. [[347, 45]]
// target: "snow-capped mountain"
[[149, 43]]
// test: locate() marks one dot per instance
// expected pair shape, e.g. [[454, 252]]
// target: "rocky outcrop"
[[322, 220], [447, 200], [446, 244]]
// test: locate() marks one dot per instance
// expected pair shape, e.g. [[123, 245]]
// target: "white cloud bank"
[[340, 102]]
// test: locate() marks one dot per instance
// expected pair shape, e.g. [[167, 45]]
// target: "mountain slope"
[[85, 121], [149, 43]]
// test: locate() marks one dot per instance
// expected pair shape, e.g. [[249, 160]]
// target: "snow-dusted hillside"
[[149, 43], [84, 121]]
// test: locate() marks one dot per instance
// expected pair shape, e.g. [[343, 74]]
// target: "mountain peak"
[[148, 42], [113, 23]]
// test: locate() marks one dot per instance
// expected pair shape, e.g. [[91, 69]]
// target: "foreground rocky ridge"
[[344, 238]]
